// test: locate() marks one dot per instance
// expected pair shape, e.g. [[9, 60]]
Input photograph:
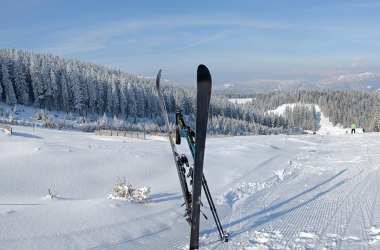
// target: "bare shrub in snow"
[[142, 195], [61, 124], [124, 191], [39, 115], [44, 119], [48, 122]]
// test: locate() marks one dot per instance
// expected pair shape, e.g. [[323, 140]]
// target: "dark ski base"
[[203, 103]]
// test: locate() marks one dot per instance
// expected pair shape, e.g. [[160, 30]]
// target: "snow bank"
[[4, 132]]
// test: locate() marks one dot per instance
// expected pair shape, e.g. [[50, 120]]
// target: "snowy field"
[[272, 192]]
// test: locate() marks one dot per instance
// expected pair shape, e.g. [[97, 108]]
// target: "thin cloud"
[[358, 62], [203, 40], [84, 39]]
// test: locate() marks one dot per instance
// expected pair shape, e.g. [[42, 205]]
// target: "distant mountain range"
[[365, 81]]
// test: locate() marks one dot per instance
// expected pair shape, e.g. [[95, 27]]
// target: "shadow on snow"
[[269, 211], [162, 197], [26, 135]]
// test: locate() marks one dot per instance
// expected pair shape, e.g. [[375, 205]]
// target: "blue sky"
[[238, 40]]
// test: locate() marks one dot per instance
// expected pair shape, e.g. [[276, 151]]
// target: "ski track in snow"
[[312, 226], [298, 192]]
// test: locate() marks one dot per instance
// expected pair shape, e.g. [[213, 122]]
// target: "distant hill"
[[366, 81]]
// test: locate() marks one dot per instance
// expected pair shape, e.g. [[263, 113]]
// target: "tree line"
[[50, 82]]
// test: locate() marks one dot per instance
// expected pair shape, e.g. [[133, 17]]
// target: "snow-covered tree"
[[77, 92], [19, 76], [10, 96]]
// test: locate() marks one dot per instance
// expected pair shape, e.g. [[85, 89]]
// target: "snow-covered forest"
[[342, 107], [93, 93]]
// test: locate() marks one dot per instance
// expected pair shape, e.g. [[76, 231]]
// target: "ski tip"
[[158, 77], [203, 74]]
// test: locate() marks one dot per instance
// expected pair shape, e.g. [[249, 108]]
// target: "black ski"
[[203, 102], [190, 138], [180, 160]]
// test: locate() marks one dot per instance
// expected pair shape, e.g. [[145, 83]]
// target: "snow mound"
[[5, 132], [374, 233], [306, 235], [243, 190], [261, 240], [240, 191], [305, 240]]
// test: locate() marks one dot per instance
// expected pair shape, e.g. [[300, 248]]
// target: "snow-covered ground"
[[271, 192]]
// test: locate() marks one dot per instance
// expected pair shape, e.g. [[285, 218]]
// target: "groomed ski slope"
[[325, 125], [271, 192]]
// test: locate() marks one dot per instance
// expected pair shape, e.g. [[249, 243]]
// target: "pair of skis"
[[197, 148]]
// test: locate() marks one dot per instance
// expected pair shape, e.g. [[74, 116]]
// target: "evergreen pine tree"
[[10, 96]]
